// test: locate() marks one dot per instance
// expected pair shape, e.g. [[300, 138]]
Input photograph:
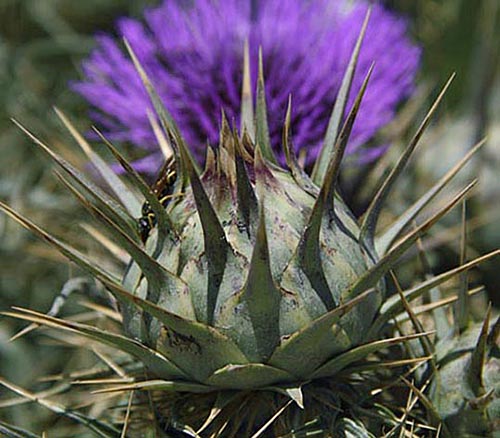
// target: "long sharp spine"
[[263, 140], [369, 224]]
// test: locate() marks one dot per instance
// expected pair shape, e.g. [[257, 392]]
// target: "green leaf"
[[216, 245], [161, 282], [425, 342], [63, 248], [389, 260], [189, 344], [474, 372], [197, 348], [461, 309], [103, 201], [439, 314], [308, 250], [333, 170], [100, 429], [165, 226], [247, 200], [84, 263], [166, 119], [9, 431], [299, 175], [158, 385]]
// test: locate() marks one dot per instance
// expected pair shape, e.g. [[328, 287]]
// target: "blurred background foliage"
[[41, 45]]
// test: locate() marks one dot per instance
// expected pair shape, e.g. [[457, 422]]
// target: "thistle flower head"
[[194, 54]]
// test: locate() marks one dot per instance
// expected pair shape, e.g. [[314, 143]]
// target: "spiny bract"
[[257, 287]]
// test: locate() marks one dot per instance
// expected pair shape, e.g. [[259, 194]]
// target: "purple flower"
[[193, 52]]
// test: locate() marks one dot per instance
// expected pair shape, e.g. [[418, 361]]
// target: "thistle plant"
[[193, 54], [256, 305]]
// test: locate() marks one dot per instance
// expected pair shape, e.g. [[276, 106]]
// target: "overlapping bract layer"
[[250, 276]]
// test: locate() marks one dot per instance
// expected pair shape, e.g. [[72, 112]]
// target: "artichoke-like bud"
[[257, 257]]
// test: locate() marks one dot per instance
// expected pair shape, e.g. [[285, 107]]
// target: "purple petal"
[[193, 54]]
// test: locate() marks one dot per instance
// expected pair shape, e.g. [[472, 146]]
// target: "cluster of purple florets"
[[193, 52]]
